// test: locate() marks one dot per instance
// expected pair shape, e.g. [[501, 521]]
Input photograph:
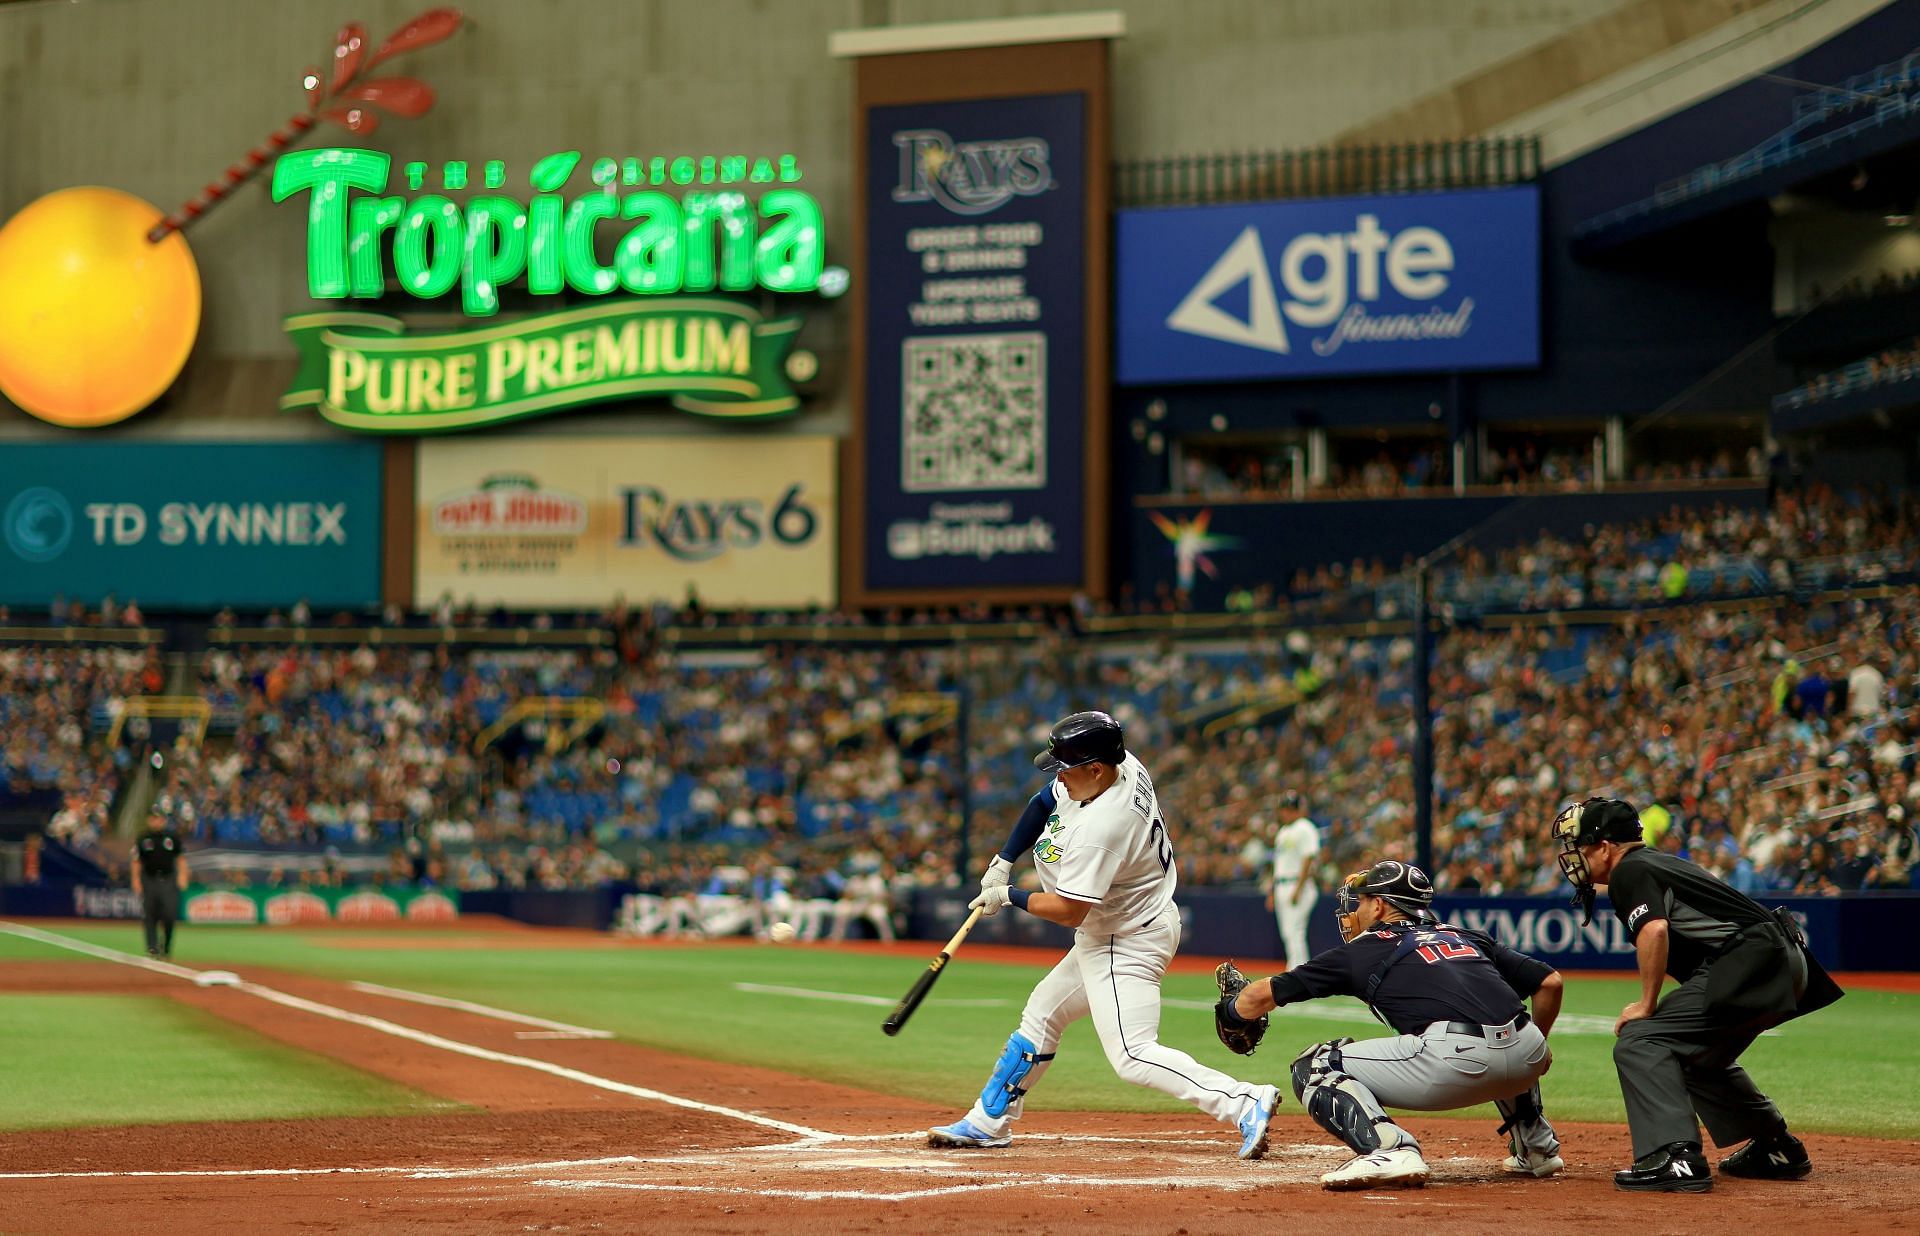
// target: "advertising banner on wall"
[[191, 526], [1417, 282], [280, 907], [565, 522], [975, 403], [715, 357]]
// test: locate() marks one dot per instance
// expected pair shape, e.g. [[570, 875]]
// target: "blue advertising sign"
[[975, 372], [191, 526], [1419, 282]]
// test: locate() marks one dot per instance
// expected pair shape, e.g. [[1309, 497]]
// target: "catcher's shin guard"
[[1341, 1105], [1019, 1067], [1523, 1119]]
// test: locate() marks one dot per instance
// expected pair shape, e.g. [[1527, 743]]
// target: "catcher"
[[1454, 997]]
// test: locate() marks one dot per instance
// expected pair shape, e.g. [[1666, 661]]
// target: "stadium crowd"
[[1772, 741], [1899, 363], [1418, 464]]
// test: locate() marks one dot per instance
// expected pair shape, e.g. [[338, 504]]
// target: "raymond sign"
[[710, 356], [548, 522]]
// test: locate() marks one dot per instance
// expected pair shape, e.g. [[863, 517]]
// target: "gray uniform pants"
[[1439, 1070], [1682, 1060]]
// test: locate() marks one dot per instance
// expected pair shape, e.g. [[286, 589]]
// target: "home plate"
[[216, 978]]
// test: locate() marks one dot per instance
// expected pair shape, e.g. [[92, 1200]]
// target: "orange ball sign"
[[95, 320]]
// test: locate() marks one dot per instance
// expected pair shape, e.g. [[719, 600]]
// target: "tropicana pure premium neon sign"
[[710, 237]]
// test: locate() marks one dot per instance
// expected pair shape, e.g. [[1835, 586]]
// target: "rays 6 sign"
[[1412, 283]]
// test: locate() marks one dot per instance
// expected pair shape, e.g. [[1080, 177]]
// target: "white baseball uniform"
[[1294, 898], [1113, 853]]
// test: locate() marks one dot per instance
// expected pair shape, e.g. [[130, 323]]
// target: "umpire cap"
[[1082, 738], [1596, 820]]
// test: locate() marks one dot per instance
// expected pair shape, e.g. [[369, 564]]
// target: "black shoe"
[[1777, 1157], [1679, 1168]]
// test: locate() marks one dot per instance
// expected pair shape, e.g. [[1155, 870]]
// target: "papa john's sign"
[[674, 236]]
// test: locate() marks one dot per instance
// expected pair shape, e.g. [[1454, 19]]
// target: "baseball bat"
[[924, 984]]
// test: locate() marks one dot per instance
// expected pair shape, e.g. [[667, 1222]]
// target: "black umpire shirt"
[[1451, 974], [158, 854], [1702, 913]]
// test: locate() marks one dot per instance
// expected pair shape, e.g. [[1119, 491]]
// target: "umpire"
[[159, 877], [1741, 970]]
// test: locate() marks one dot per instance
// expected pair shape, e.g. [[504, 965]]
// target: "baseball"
[[780, 933]]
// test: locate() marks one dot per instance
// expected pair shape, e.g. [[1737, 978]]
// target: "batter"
[[1107, 870]]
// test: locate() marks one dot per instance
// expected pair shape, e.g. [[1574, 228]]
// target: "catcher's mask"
[[1591, 822], [1401, 885]]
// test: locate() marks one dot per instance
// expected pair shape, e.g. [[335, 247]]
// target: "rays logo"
[[969, 178], [1047, 852]]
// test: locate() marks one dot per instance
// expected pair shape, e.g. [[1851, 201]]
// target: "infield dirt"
[[547, 1153]]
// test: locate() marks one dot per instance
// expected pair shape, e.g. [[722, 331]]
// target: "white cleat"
[[1253, 1125], [963, 1134], [1399, 1168], [1533, 1164]]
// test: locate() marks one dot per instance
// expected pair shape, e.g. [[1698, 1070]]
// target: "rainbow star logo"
[[1191, 544]]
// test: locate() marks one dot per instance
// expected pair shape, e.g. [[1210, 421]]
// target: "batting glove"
[[998, 873], [991, 900]]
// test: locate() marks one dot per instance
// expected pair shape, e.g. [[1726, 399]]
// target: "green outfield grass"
[[99, 1059], [1847, 1069]]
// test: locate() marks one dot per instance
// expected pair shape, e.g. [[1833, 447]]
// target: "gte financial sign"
[[1322, 288]]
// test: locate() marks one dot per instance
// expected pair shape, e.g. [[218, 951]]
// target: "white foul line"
[[484, 1010], [804, 1195], [417, 1036]]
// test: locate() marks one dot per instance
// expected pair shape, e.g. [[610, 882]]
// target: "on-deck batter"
[[1106, 866], [1293, 895]]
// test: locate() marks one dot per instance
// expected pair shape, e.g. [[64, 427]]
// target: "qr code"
[[974, 412]]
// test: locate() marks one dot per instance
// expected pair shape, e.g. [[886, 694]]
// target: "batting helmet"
[[1082, 738]]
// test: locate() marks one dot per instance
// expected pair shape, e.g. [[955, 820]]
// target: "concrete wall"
[[157, 97]]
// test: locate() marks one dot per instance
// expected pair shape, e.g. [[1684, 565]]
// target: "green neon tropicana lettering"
[[699, 240]]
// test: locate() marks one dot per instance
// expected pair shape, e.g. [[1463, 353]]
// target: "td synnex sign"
[[1322, 288], [191, 526]]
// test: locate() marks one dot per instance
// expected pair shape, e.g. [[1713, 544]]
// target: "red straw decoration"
[[353, 103]]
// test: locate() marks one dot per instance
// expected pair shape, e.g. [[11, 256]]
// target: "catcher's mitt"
[[1240, 1035]]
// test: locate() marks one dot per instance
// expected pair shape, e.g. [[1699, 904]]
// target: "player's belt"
[[1474, 1030]]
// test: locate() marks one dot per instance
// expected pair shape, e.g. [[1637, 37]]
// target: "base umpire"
[[159, 878], [1741, 969]]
